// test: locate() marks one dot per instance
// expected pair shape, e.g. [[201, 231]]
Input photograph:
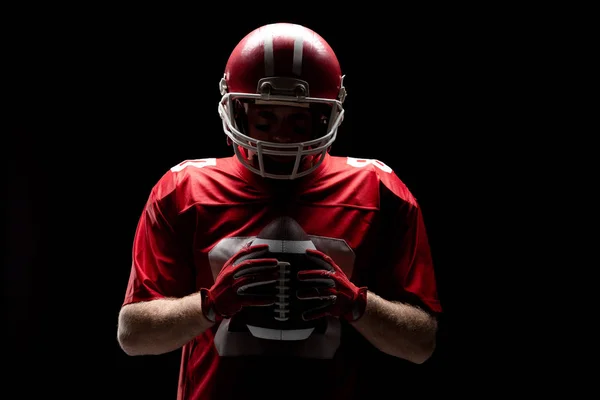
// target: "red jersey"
[[201, 212]]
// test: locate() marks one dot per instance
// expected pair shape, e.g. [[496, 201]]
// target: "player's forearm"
[[398, 329], [160, 326]]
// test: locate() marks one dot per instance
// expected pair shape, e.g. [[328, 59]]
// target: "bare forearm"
[[398, 329], [160, 326]]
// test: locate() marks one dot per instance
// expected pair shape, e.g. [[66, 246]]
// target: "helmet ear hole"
[[320, 116]]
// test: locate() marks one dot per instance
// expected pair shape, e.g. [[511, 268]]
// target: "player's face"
[[280, 124]]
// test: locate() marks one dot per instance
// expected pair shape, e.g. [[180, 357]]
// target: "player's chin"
[[281, 158]]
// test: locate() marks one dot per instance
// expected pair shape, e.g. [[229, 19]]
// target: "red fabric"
[[357, 212]]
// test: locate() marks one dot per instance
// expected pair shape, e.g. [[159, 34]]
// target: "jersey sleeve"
[[408, 252], [159, 266]]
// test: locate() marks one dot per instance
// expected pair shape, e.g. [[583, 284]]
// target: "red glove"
[[245, 280], [326, 290]]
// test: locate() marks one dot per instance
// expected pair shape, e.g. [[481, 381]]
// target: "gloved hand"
[[324, 289], [245, 280]]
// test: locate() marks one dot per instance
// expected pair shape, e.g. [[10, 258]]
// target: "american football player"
[[349, 256]]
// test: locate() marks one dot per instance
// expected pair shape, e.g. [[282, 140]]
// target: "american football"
[[282, 321]]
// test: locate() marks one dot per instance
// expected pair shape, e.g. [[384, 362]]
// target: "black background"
[[103, 101]]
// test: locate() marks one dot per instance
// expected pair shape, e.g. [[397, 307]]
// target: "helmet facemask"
[[306, 156]]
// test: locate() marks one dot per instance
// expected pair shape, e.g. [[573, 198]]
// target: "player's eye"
[[263, 127]]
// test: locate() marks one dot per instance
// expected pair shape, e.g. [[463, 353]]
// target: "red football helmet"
[[285, 64]]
